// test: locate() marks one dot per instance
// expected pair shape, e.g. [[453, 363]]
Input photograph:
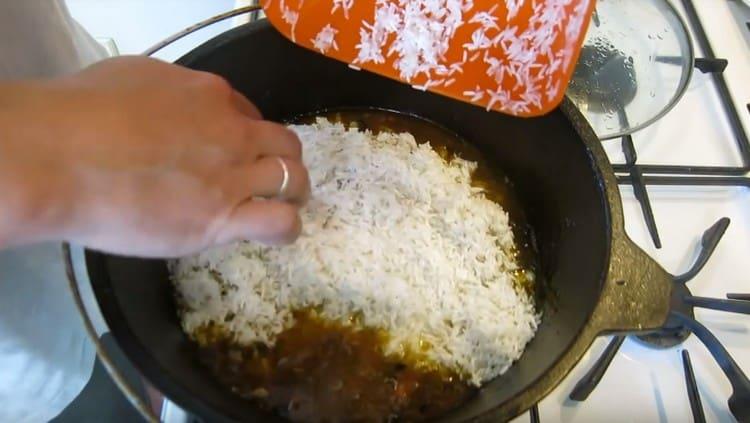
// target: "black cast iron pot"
[[602, 282]]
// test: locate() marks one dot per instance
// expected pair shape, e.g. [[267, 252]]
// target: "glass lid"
[[635, 64]]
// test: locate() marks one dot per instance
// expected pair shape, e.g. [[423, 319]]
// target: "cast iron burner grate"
[[680, 324], [641, 175]]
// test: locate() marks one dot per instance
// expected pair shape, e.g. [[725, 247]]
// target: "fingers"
[[267, 221], [265, 177], [273, 139], [245, 106], [219, 85]]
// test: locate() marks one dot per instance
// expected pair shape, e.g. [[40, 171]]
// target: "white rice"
[[394, 233]]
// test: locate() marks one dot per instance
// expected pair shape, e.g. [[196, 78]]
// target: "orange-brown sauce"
[[320, 371]]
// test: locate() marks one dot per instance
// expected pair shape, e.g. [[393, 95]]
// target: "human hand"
[[140, 157]]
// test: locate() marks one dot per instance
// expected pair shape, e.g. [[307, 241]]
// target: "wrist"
[[33, 207]]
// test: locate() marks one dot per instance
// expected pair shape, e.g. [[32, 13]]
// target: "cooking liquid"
[[325, 371], [322, 371]]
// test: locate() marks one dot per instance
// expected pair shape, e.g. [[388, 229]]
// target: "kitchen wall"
[[135, 25]]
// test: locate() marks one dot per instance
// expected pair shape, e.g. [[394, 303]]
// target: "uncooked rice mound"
[[394, 234]]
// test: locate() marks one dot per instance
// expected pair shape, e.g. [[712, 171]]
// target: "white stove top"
[[642, 383]]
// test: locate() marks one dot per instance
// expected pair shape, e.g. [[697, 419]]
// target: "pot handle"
[[636, 293], [635, 297], [254, 10], [139, 403]]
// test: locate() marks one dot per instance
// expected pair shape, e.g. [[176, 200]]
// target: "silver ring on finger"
[[285, 178]]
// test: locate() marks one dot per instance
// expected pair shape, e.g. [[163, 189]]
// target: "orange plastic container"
[[512, 56]]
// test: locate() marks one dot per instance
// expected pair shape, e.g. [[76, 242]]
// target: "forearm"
[[35, 203]]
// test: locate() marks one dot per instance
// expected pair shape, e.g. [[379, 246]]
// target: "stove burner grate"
[[680, 324], [640, 175]]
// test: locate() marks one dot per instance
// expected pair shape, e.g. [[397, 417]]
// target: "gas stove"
[[686, 199], [685, 189]]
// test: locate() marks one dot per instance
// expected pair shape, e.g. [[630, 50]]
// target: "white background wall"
[[135, 25]]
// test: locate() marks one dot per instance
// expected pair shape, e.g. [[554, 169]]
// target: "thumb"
[[267, 221]]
